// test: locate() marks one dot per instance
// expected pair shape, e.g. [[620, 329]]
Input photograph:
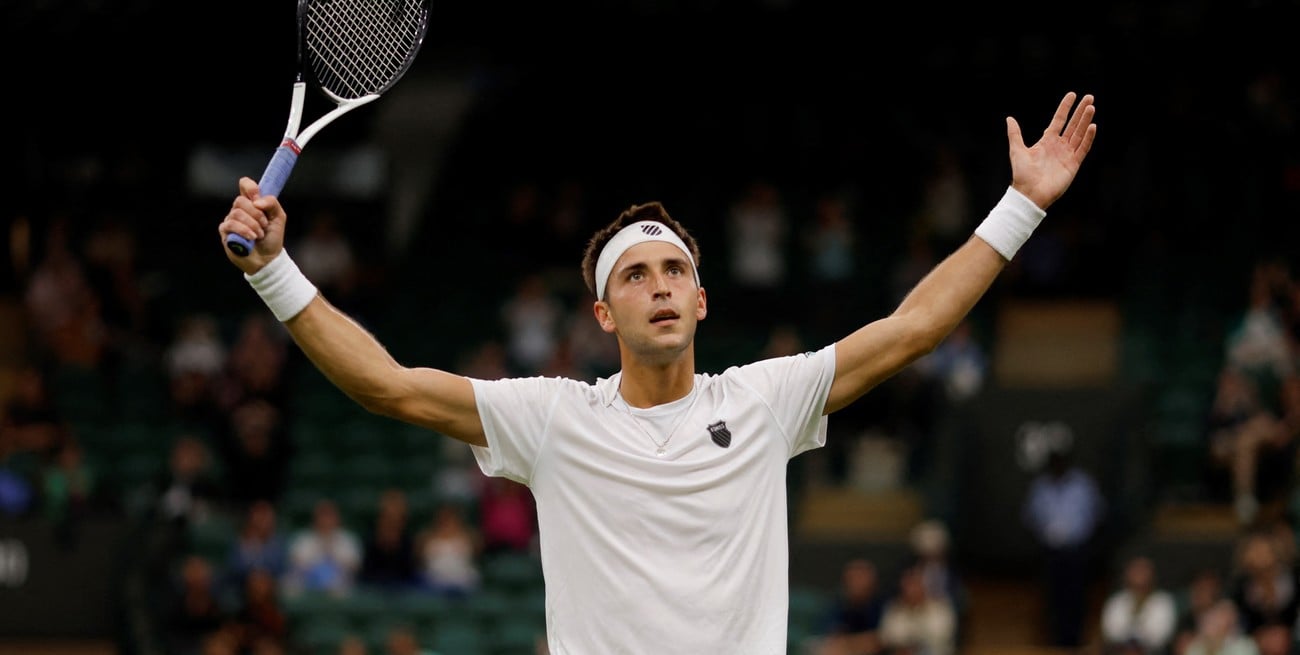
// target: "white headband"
[[630, 236]]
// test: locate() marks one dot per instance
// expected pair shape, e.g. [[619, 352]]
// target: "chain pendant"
[[661, 452]]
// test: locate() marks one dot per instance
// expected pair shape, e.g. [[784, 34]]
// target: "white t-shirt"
[[685, 553]]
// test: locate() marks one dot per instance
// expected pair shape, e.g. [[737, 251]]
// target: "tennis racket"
[[354, 51]]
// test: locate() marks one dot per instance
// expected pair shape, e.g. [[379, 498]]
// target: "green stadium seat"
[[461, 639], [214, 537], [375, 470], [317, 470], [513, 573], [515, 635], [320, 635]]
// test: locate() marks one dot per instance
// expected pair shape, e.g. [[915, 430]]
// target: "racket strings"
[[359, 47]]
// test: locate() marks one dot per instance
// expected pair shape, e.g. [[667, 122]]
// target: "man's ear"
[[603, 316], [702, 306]]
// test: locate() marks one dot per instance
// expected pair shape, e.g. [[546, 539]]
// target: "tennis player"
[[661, 490]]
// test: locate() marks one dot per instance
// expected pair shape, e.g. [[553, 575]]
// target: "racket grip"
[[273, 180]]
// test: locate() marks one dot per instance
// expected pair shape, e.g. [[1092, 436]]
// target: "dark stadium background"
[[1193, 180]]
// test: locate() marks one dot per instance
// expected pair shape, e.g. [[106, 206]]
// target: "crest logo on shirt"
[[720, 434]]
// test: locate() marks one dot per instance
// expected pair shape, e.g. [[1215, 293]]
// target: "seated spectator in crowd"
[[915, 622], [256, 449], [1219, 633], [260, 617], [189, 490], [29, 421], [854, 622], [1140, 613], [389, 550], [195, 611], [325, 557], [259, 546], [448, 552], [1265, 586], [68, 489], [508, 521]]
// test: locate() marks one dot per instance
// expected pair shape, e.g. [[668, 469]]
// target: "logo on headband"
[[652, 230]]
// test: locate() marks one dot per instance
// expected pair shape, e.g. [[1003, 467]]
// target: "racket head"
[[358, 48]]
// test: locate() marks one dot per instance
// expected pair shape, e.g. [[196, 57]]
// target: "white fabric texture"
[[685, 553]]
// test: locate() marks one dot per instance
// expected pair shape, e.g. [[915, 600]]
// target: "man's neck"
[[643, 385]]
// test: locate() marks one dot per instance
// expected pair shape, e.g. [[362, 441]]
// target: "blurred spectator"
[[508, 520], [326, 257], [758, 227], [110, 264], [1239, 427], [782, 340], [1063, 510], [68, 488], [1201, 593], [256, 451], [193, 361], [1257, 342], [255, 363], [30, 422], [260, 617], [931, 552], [1139, 611], [595, 352], [353, 645], [401, 641], [945, 212], [532, 318], [959, 366], [448, 553], [1265, 586], [915, 622], [487, 361], [17, 494], [189, 490], [259, 546], [62, 307], [388, 559], [196, 348], [830, 243], [854, 622], [326, 556], [195, 612], [1274, 639], [1219, 633]]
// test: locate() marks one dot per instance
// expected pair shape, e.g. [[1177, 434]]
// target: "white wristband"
[[1010, 223], [283, 287]]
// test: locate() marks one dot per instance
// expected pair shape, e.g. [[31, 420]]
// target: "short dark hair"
[[650, 211]]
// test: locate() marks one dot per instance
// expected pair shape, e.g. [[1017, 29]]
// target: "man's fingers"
[[1013, 133], [248, 188], [1062, 113], [250, 206], [1082, 119], [244, 225]]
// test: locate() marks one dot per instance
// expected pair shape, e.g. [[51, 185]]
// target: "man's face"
[[653, 303]]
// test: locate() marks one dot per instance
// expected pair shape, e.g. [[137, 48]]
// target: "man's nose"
[[660, 286]]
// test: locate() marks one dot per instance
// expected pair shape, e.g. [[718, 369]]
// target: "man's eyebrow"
[[641, 264]]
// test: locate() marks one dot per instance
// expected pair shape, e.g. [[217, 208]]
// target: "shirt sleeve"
[[515, 413], [795, 388]]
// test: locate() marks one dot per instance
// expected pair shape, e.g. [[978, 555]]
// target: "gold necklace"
[[661, 449]]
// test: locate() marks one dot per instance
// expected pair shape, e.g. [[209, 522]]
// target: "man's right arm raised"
[[362, 368], [346, 353]]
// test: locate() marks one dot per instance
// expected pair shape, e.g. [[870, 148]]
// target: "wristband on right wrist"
[[1010, 223], [283, 287]]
